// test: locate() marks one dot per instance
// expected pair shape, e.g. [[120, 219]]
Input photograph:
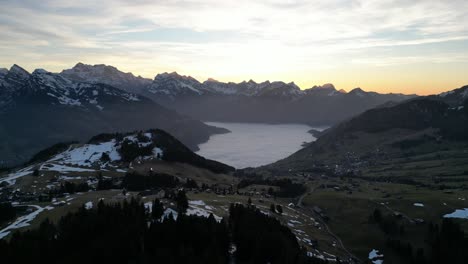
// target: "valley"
[[80, 176], [234, 132], [383, 185]]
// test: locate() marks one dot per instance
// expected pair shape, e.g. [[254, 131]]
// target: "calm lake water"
[[253, 145]]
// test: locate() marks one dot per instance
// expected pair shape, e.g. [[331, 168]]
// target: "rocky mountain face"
[[108, 75], [44, 108], [10, 81], [248, 101]]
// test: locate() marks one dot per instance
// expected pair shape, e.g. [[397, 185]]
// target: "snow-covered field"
[[63, 168], [85, 158], [11, 178], [24, 220], [87, 154], [459, 213], [168, 212], [199, 208]]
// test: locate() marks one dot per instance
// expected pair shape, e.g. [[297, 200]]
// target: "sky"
[[418, 46]]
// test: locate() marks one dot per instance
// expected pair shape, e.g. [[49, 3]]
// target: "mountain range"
[[44, 108], [248, 101]]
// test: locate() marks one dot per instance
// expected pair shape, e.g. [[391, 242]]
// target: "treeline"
[[287, 187], [120, 233], [128, 232], [445, 244], [262, 239], [47, 153], [130, 150], [138, 182]]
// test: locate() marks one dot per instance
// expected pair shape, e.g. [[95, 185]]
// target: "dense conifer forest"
[[128, 232]]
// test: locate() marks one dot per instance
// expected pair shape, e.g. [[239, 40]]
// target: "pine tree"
[[377, 215], [157, 210], [249, 202], [279, 209], [272, 208], [182, 202]]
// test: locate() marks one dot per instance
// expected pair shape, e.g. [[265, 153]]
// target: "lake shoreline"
[[255, 144]]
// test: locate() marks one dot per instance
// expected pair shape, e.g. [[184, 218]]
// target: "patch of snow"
[[168, 212], [202, 212], [64, 169], [418, 204], [22, 221], [157, 151], [149, 206], [376, 257], [459, 213], [89, 205], [68, 178], [87, 154], [197, 202], [11, 178]]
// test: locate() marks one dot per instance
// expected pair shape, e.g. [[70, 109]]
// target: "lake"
[[254, 144]]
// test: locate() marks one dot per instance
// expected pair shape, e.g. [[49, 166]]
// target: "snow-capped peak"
[[172, 84], [19, 72], [327, 89], [251, 88], [101, 73], [69, 92]]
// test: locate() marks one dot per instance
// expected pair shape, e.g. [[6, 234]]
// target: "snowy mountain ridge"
[[110, 75], [58, 89]]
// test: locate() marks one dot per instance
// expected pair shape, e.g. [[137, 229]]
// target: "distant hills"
[[426, 133], [248, 101], [43, 108]]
